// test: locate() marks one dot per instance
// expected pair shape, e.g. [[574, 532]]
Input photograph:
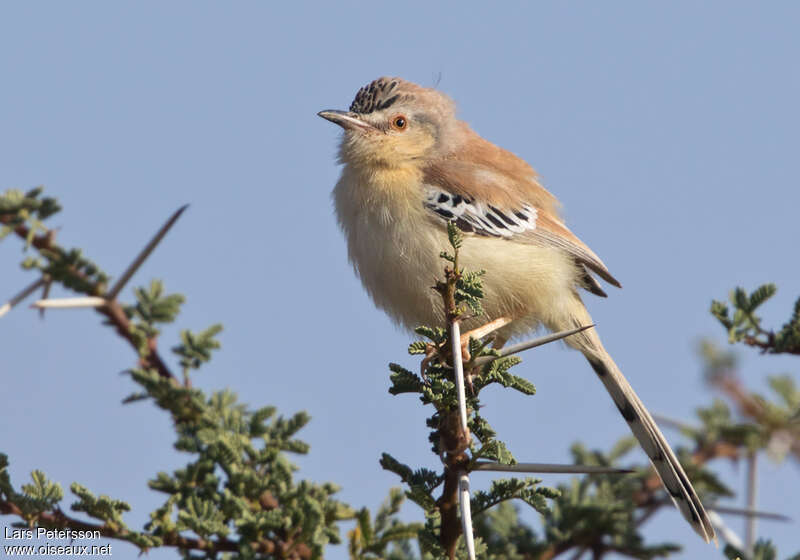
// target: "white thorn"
[[466, 513], [65, 303], [752, 493], [546, 468], [769, 515], [522, 346], [458, 366], [725, 532]]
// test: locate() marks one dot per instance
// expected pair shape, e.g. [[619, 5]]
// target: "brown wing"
[[504, 201], [552, 231]]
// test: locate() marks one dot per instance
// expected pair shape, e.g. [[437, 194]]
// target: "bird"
[[410, 166]]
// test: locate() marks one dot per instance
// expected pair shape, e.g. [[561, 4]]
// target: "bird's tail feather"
[[643, 427], [652, 441]]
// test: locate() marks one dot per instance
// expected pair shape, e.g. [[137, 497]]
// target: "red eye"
[[399, 122]]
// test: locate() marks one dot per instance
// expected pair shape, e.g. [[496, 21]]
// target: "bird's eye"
[[399, 122]]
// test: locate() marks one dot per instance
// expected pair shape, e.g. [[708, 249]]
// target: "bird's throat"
[[378, 186]]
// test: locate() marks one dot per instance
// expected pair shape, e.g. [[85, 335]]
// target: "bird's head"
[[394, 123]]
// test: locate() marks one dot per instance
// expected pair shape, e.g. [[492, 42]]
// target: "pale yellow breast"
[[394, 245]]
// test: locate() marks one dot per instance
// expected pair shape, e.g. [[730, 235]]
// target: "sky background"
[[669, 132]]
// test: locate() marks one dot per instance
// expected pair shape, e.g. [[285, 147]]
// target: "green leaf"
[[454, 235], [389, 463], [622, 448], [740, 300], [760, 295], [195, 348], [513, 488], [43, 493], [720, 311], [403, 381], [104, 508], [436, 335], [497, 372], [496, 450]]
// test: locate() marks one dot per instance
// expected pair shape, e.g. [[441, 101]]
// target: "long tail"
[[641, 423]]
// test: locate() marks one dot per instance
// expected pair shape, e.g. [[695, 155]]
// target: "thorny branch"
[[57, 519], [455, 440], [747, 404], [112, 311]]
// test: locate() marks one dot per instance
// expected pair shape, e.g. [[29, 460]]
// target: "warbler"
[[411, 166]]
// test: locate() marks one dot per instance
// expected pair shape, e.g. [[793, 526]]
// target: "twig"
[[142, 256], [649, 512], [113, 311], [454, 435], [28, 290], [768, 346], [45, 293], [448, 502], [522, 346], [748, 405], [546, 468], [58, 519]]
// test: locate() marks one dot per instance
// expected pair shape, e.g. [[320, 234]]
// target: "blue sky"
[[669, 132]]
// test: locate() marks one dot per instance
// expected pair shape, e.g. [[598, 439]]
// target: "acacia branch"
[[748, 405], [451, 430], [112, 311], [57, 519]]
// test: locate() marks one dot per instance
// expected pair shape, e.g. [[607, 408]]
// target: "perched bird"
[[410, 166]]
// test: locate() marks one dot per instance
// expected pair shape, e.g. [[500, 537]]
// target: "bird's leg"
[[469, 373], [430, 353], [479, 333]]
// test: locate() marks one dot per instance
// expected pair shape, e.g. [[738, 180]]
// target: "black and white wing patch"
[[477, 217]]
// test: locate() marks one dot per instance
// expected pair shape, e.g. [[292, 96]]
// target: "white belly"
[[394, 245]]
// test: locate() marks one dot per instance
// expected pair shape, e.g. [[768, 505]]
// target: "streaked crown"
[[376, 96], [386, 92]]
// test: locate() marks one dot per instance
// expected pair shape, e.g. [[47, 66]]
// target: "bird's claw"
[[430, 353]]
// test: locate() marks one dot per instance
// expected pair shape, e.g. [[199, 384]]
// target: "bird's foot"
[[478, 333], [430, 353]]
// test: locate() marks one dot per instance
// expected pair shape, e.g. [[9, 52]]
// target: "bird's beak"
[[347, 120]]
